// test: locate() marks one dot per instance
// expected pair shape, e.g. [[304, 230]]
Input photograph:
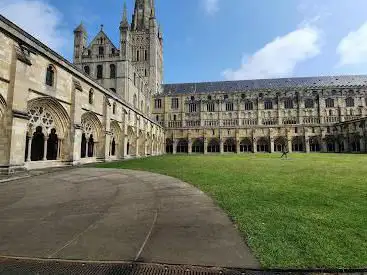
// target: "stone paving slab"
[[117, 215]]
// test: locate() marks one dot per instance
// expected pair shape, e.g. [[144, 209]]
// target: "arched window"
[[91, 96], [99, 72], [137, 55], [213, 146], [50, 76], [87, 70], [101, 50], [329, 103], [349, 102], [230, 146], [114, 108], [112, 71]]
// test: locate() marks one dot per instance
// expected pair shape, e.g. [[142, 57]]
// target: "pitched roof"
[[277, 83]]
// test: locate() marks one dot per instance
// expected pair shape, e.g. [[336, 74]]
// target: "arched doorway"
[[246, 146], [355, 144], [182, 146], [314, 144], [230, 146], [91, 127], [115, 145], [48, 131], [263, 145], [297, 144], [169, 146], [330, 144], [280, 144], [198, 146]]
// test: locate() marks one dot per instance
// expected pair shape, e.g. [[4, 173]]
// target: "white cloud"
[[279, 57], [352, 49], [211, 6], [38, 18]]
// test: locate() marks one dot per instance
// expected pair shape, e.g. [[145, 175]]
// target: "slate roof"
[[278, 83]]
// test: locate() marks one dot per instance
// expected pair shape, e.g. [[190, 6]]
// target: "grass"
[[306, 212]]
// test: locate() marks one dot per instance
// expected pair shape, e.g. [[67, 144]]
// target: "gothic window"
[[91, 96], [288, 103], [249, 106], [101, 50], [87, 70], [99, 72], [50, 76], [157, 118], [114, 108], [329, 103], [137, 55], [158, 103], [309, 103], [174, 103], [210, 107], [268, 105], [349, 102], [174, 117], [192, 107], [112, 71], [229, 107]]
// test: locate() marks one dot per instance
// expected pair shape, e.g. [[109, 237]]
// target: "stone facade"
[[297, 114], [51, 114]]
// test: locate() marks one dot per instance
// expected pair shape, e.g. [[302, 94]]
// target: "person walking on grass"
[[285, 152]]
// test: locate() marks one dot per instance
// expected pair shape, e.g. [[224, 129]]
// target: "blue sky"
[[210, 40]]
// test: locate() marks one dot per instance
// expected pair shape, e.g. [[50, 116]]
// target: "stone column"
[[307, 144], [221, 144], [145, 147], [29, 148], [174, 147], [45, 148], [254, 145], [205, 146], [189, 144], [363, 144], [137, 153], [152, 148], [289, 145], [76, 130], [271, 150]]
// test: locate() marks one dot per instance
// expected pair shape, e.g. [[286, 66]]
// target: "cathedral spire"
[[124, 23], [142, 13]]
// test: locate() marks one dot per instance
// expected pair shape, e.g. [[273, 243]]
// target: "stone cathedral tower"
[[134, 68]]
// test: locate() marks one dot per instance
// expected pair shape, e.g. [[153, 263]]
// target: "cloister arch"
[[115, 142], [280, 144], [91, 135], [182, 146], [230, 145], [297, 144], [263, 144], [330, 144], [198, 146], [314, 144], [142, 142], [131, 141], [47, 130], [169, 146], [354, 143], [246, 145], [213, 146]]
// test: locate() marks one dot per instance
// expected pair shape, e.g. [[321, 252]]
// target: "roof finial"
[[102, 27]]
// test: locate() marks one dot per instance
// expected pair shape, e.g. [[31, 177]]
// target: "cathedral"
[[110, 104]]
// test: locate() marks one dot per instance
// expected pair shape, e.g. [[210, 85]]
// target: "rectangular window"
[[329, 103], [192, 107], [229, 106], [174, 103], [210, 107], [249, 106], [288, 104], [158, 103]]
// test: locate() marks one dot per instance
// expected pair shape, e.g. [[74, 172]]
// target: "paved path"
[[116, 215]]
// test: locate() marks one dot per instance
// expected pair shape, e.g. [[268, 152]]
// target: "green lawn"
[[307, 211]]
